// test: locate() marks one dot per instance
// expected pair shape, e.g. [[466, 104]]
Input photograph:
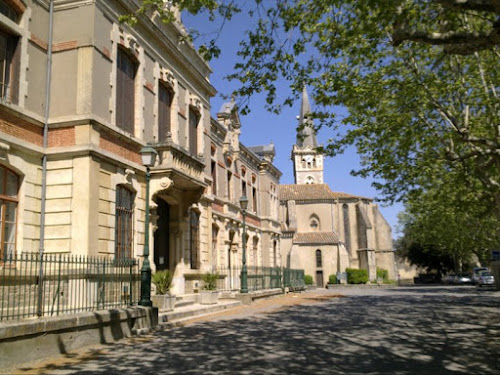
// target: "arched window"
[[319, 259], [124, 212], [347, 228], [9, 186], [309, 180], [194, 239], [314, 223], [275, 253]]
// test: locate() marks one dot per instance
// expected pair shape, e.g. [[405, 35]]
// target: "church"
[[324, 231]]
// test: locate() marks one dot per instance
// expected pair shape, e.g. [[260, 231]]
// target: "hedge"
[[355, 276], [308, 279]]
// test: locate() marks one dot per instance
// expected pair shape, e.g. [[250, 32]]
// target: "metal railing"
[[70, 284], [260, 278], [293, 279]]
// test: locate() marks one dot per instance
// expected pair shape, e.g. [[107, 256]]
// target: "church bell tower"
[[307, 161]]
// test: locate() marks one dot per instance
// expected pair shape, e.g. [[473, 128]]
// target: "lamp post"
[[244, 272], [148, 156]]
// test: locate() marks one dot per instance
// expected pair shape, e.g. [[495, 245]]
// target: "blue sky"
[[261, 127]]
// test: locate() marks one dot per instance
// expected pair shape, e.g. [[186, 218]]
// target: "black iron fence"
[[260, 278], [62, 284]]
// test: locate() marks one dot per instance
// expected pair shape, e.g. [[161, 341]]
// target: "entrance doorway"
[[319, 279], [162, 236]]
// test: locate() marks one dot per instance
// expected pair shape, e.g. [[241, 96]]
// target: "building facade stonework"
[[82, 94], [112, 90], [325, 232]]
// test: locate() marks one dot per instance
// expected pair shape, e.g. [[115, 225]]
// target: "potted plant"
[[209, 294], [163, 283]]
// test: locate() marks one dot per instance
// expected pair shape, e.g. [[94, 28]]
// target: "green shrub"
[[308, 279], [163, 281], [382, 274], [210, 281], [355, 276], [332, 279]]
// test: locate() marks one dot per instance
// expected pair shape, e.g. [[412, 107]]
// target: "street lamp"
[[148, 157], [244, 272]]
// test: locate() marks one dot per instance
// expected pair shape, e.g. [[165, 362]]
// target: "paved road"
[[424, 330]]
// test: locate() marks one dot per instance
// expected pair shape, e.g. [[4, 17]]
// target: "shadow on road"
[[387, 334]]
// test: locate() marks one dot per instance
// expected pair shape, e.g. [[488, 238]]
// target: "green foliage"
[[382, 274], [163, 281], [308, 279], [355, 276], [448, 227], [424, 118], [210, 281], [332, 279]]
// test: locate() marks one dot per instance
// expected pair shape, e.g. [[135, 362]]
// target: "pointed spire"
[[307, 136]]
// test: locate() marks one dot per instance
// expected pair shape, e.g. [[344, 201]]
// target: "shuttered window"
[[164, 108], [9, 186], [194, 118], [125, 91], [124, 222]]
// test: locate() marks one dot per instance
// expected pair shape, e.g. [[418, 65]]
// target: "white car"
[[485, 279]]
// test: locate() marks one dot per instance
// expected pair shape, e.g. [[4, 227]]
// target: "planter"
[[209, 297], [164, 302]]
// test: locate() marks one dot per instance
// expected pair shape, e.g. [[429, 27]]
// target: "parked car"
[[449, 279], [475, 273], [462, 279], [485, 279]]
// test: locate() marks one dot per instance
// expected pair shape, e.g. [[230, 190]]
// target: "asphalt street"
[[414, 330]]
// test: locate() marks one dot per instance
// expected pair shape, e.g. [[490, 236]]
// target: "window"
[[319, 259], [164, 108], [314, 223], [11, 9], [9, 186], [254, 198], [9, 65], [215, 234], [254, 250], [229, 178], [243, 188], [213, 171], [347, 230], [194, 118], [309, 180], [125, 91], [194, 240], [124, 213], [275, 253]]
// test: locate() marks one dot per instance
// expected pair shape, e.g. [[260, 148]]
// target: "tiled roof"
[[311, 192], [316, 238]]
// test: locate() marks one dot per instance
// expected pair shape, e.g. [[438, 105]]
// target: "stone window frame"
[[319, 259], [314, 223], [194, 239], [124, 222], [7, 198]]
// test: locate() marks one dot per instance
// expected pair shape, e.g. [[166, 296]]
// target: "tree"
[[419, 79], [447, 228]]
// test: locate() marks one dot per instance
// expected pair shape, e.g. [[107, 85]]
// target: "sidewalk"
[[231, 309]]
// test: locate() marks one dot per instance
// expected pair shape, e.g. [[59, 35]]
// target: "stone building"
[[81, 95], [325, 232]]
